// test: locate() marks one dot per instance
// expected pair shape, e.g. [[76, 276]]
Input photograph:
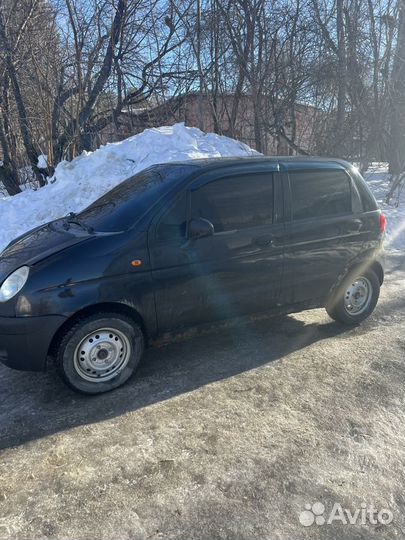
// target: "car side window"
[[172, 225], [235, 203], [320, 193]]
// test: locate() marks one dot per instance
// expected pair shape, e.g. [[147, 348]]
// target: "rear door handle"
[[263, 241], [355, 225]]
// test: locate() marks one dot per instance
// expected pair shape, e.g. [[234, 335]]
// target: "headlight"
[[14, 283]]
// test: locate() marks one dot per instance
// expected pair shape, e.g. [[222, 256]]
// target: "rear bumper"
[[25, 341]]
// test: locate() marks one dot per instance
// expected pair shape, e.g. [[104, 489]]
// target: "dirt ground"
[[225, 434]]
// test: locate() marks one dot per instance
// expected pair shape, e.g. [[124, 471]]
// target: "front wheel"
[[355, 298], [99, 353]]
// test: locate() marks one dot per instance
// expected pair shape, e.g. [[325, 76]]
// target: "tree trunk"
[[257, 118], [8, 173], [342, 75], [396, 151]]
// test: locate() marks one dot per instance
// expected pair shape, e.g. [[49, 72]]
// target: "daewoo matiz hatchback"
[[183, 244]]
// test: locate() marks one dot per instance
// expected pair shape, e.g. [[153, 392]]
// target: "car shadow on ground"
[[36, 405]]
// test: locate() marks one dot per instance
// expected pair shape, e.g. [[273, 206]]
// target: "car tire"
[[99, 353], [355, 298]]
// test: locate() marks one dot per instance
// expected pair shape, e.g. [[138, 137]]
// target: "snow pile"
[[78, 183], [378, 180]]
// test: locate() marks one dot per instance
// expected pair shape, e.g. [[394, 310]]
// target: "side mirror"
[[200, 228]]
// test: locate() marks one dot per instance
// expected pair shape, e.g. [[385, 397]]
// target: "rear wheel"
[[100, 352], [356, 297]]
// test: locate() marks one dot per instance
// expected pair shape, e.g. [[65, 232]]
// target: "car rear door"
[[234, 272], [325, 228]]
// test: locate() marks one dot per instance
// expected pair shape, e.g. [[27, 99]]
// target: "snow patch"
[[42, 161], [377, 177]]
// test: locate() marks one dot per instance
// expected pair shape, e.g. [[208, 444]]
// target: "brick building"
[[189, 108]]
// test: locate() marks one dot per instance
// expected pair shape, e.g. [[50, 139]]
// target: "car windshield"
[[121, 207], [118, 209]]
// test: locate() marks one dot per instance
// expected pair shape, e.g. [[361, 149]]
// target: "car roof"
[[212, 163]]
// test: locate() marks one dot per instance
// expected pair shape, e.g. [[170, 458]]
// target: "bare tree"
[[27, 12], [71, 70]]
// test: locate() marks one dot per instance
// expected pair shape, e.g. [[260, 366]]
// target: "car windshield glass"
[[118, 209]]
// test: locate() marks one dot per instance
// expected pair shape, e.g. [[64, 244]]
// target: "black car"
[[182, 244]]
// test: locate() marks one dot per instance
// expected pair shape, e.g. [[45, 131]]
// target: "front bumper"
[[25, 341]]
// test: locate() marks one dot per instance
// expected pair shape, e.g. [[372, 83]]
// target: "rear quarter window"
[[367, 198], [320, 193]]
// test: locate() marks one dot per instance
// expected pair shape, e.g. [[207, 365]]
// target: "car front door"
[[233, 272], [325, 229]]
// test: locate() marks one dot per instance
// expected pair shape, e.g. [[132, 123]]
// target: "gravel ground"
[[223, 434]]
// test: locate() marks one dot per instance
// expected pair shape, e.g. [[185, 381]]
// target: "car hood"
[[38, 244]]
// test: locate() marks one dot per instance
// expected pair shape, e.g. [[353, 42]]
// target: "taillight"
[[383, 223]]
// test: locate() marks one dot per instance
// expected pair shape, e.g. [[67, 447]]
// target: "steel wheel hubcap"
[[358, 296], [102, 354]]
